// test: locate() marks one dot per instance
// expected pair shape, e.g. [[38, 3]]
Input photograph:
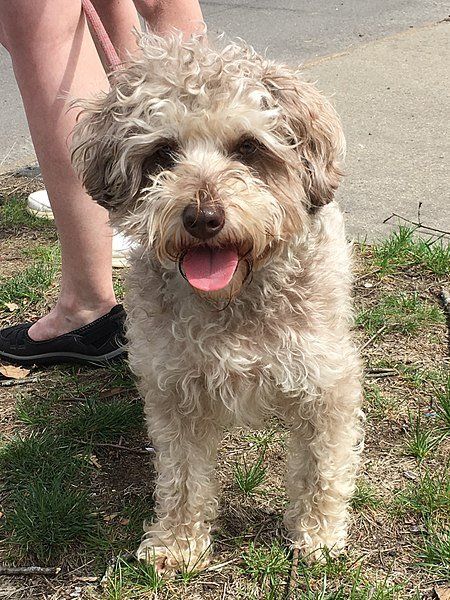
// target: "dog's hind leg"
[[185, 494], [326, 438]]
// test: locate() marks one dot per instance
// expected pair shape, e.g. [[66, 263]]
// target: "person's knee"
[[149, 8], [28, 24]]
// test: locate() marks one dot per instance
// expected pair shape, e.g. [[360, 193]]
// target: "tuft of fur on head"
[[184, 123]]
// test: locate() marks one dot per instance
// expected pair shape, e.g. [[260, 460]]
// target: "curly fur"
[[277, 339]]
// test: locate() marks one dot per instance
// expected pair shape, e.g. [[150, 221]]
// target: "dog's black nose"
[[204, 221]]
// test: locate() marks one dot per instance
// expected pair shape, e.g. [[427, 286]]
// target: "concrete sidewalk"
[[394, 99]]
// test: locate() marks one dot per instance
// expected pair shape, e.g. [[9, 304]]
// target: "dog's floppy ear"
[[310, 122], [98, 154]]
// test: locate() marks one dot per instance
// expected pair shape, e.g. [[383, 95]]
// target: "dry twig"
[[31, 570], [11, 382], [417, 224], [139, 451], [378, 373], [374, 337]]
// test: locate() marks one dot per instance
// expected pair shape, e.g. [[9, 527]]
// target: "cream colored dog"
[[222, 165]]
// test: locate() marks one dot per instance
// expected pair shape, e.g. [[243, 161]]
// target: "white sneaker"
[[38, 204]]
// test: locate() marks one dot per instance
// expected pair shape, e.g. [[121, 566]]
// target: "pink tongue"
[[210, 269]]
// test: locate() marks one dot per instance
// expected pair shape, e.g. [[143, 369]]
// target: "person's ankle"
[[68, 316]]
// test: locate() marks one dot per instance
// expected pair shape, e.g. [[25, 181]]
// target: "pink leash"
[[108, 49]]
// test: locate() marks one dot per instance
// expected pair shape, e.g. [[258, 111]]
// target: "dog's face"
[[214, 159]]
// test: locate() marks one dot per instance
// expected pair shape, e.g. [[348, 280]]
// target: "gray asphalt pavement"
[[387, 64]]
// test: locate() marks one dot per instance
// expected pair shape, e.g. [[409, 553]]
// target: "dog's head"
[[214, 159]]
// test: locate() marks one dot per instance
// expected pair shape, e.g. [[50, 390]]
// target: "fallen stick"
[[32, 570], [139, 451], [377, 373], [374, 337], [25, 380], [419, 225]]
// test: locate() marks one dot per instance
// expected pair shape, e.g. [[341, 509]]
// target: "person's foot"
[[95, 342], [61, 320], [38, 204]]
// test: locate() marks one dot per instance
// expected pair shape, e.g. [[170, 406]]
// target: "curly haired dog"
[[222, 165]]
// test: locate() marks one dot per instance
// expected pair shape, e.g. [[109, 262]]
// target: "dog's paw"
[[163, 559], [172, 556], [315, 549]]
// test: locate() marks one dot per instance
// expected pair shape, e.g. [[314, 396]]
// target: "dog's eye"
[[247, 148], [162, 159]]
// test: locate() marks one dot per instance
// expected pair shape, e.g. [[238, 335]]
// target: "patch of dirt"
[[383, 544]]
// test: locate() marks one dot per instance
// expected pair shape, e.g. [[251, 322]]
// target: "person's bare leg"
[[165, 15], [55, 60], [119, 18]]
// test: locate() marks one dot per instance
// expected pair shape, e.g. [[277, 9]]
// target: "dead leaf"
[[11, 372], [94, 460], [124, 521], [111, 517], [442, 593], [11, 306]]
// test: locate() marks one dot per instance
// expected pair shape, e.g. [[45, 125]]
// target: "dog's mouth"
[[209, 269]]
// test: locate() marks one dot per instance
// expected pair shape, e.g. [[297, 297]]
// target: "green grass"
[[47, 510], [53, 516], [429, 500], [339, 579], [102, 421], [429, 497], [249, 477], [404, 249], [46, 473], [420, 441], [377, 403], [131, 580], [434, 552], [32, 411], [49, 518], [138, 510], [403, 313], [30, 284], [121, 375], [14, 215], [364, 496], [261, 439], [443, 407], [421, 377], [268, 566], [39, 456]]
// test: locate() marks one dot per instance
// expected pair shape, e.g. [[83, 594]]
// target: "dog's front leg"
[[185, 494], [326, 437]]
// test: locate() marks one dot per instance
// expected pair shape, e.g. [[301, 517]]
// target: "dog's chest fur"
[[244, 357]]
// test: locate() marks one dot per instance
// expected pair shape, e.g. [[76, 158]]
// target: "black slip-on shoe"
[[97, 343]]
